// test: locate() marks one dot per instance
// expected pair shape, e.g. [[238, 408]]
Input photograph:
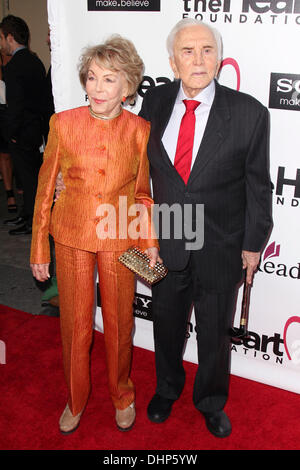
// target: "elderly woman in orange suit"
[[101, 151]]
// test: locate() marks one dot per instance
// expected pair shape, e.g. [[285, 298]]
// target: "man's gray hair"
[[186, 22]]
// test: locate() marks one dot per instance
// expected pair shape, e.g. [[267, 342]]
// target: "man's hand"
[[40, 271], [152, 253], [59, 186], [250, 262]]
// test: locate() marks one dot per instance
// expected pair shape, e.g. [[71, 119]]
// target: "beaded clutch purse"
[[138, 262]]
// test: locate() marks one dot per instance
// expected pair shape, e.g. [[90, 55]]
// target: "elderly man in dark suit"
[[25, 80], [208, 146]]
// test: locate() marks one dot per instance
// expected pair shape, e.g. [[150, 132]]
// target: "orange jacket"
[[100, 161]]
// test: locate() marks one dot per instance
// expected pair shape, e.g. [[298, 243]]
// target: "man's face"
[[5, 44], [195, 59]]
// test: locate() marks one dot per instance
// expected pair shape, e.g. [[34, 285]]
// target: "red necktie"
[[184, 150]]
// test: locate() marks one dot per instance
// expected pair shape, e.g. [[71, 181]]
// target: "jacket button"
[[99, 196], [101, 172]]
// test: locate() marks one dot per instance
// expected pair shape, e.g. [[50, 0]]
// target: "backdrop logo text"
[[123, 5], [285, 91], [243, 11], [276, 266], [288, 187]]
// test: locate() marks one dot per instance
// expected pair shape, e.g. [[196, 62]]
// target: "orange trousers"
[[75, 271]]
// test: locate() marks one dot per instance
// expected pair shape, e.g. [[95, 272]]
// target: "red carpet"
[[33, 396]]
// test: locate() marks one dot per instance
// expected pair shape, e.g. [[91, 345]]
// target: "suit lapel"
[[215, 132], [167, 105], [166, 110]]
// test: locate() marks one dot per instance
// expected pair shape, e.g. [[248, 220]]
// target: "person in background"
[[49, 101], [208, 146], [6, 168], [101, 151], [50, 298], [25, 80]]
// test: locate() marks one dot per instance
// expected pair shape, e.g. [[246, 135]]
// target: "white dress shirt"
[[170, 136]]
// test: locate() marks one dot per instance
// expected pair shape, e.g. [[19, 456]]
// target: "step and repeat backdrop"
[[261, 57]]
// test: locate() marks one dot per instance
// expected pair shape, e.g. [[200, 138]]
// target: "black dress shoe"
[[218, 423], [159, 408], [23, 230], [16, 221]]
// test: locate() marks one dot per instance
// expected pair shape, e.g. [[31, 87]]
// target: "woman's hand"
[[59, 186], [153, 254], [40, 271]]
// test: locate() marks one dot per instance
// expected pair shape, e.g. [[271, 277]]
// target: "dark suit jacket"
[[25, 80], [230, 177]]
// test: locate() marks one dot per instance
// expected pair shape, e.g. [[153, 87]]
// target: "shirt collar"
[[18, 49], [205, 96]]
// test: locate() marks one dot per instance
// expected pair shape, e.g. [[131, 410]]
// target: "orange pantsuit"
[[100, 161]]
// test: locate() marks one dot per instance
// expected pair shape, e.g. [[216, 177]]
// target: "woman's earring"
[[123, 99]]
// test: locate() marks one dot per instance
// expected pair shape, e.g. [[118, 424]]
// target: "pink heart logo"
[[235, 65], [288, 323]]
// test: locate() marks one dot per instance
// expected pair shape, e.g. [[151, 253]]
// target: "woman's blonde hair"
[[119, 55]]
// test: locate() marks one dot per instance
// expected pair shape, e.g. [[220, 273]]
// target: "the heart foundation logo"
[[291, 337]]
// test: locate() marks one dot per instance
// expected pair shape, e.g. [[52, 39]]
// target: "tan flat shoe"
[[125, 418], [69, 423]]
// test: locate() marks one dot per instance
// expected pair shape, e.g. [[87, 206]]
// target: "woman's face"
[[105, 89]]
